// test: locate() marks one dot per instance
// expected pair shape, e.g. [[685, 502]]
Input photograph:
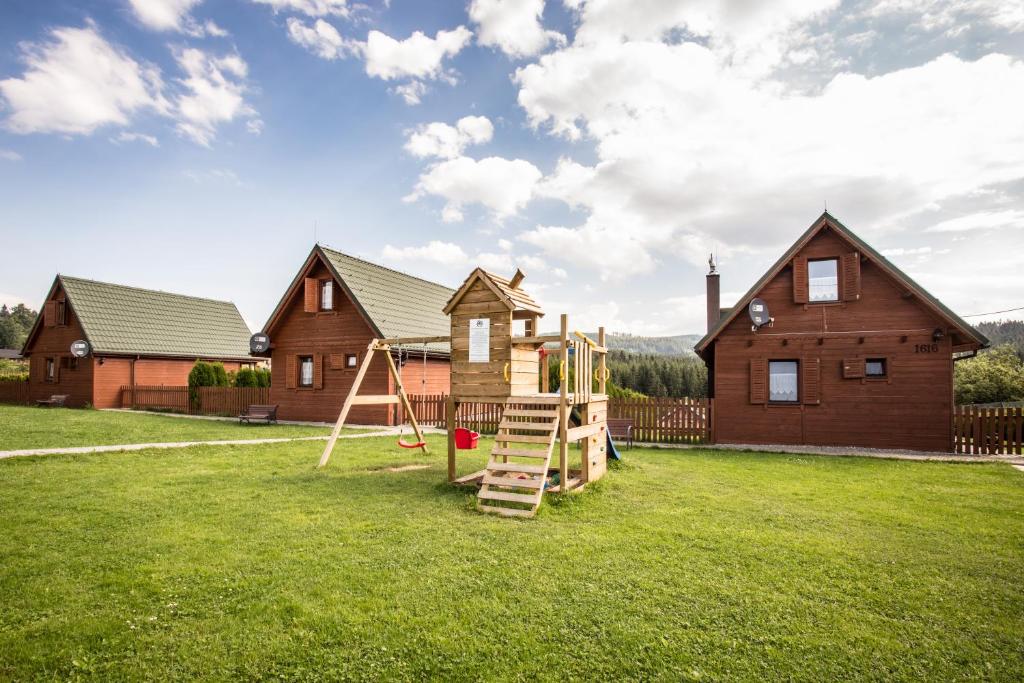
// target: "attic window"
[[823, 280], [61, 318], [327, 295]]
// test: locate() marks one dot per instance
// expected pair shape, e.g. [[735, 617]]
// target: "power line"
[[1008, 310]]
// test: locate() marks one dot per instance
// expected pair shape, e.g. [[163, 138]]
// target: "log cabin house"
[[324, 323], [136, 337], [855, 353]]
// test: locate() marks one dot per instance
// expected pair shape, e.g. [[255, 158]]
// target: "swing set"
[[384, 347]]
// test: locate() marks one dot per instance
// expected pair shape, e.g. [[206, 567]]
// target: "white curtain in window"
[[783, 384], [307, 372]]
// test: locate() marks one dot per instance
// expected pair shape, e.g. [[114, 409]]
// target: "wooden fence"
[[210, 400], [661, 420], [978, 430], [14, 392]]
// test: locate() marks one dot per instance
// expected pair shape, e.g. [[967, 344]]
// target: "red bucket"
[[465, 439]]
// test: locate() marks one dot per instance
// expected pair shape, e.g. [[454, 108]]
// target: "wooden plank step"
[[515, 467], [521, 452], [528, 426], [524, 438], [512, 482], [528, 412], [528, 498], [539, 399], [505, 512]]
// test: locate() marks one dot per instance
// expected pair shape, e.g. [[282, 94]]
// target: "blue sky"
[[605, 146]]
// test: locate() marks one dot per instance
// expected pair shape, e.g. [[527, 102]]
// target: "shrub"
[[205, 374], [262, 377], [992, 377], [246, 377]]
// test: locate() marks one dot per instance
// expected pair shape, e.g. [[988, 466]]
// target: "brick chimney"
[[714, 294]]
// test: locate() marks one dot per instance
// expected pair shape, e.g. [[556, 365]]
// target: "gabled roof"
[[117, 319], [513, 297], [393, 304], [827, 220]]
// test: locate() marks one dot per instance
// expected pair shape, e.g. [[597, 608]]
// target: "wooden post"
[[602, 363], [348, 403], [405, 399], [452, 406], [563, 408]]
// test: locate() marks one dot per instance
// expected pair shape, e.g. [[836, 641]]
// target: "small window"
[[60, 313], [326, 295], [50, 369], [875, 367], [782, 384], [350, 360], [823, 280], [306, 371]]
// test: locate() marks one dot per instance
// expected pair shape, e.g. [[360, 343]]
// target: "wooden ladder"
[[513, 483]]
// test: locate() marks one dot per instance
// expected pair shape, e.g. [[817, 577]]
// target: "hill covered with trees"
[[15, 324]]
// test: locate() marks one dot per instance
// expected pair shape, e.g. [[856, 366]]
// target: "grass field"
[[30, 427], [245, 562]]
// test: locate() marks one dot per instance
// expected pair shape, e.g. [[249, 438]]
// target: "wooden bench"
[[621, 428], [259, 412], [55, 401]]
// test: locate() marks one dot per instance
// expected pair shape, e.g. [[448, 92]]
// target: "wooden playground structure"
[[492, 364]]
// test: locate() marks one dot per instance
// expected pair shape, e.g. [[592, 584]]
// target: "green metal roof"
[[128, 320], [398, 305], [828, 219]]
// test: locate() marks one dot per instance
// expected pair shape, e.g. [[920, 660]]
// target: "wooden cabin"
[[321, 329], [851, 352], [135, 337]]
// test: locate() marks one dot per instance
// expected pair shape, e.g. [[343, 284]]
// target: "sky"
[[605, 147]]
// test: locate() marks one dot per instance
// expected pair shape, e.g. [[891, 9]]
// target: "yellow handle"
[[561, 370], [508, 378], [607, 374]]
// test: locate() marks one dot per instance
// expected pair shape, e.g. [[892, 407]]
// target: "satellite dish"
[[80, 348], [758, 311], [259, 343]]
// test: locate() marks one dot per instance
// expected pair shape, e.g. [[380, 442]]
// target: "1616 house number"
[[926, 348]]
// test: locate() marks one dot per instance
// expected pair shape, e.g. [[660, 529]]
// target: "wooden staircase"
[[513, 483]]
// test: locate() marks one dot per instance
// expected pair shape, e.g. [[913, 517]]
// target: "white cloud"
[[321, 39], [163, 15], [213, 175], [76, 83], [447, 142], [694, 152], [128, 136], [436, 251], [418, 56], [311, 8], [412, 92], [933, 15], [9, 155], [174, 15], [514, 26], [984, 220], [501, 185], [215, 93]]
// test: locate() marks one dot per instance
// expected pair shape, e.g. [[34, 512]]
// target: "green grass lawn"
[[246, 562], [30, 427]]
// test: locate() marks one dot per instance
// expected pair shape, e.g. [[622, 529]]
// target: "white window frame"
[[810, 282], [774, 390], [305, 361], [351, 360], [327, 295]]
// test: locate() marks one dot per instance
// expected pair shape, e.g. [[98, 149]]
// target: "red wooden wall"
[[911, 408]]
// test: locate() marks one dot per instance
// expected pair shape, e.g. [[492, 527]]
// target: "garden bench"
[[55, 401], [259, 412], [621, 428]]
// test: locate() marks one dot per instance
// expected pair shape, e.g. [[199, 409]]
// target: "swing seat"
[[405, 444]]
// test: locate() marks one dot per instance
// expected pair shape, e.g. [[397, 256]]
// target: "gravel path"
[[856, 451]]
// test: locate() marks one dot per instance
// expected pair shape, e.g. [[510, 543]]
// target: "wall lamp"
[[937, 335]]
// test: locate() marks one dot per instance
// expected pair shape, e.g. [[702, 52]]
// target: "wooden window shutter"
[[337, 361], [56, 368], [312, 302], [758, 380], [800, 280], [811, 375], [291, 372], [851, 276], [853, 368], [50, 314], [318, 371]]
